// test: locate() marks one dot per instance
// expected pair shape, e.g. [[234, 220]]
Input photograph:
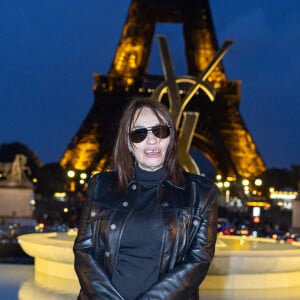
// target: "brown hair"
[[124, 160]]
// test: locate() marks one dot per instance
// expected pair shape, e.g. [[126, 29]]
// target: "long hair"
[[124, 160]]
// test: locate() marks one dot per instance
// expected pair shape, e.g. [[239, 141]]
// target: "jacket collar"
[[165, 183]]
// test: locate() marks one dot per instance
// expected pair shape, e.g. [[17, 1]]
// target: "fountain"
[[253, 263], [53, 259], [239, 262]]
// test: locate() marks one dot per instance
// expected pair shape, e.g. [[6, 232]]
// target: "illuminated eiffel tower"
[[221, 134]]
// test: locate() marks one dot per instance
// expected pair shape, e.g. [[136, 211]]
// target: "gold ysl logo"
[[177, 104]]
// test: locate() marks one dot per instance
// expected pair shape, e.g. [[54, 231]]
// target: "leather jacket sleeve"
[[94, 282], [182, 281]]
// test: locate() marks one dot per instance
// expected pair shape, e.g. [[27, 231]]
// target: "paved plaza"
[[18, 282]]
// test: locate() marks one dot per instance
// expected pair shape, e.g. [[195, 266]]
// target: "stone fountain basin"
[[239, 262], [239, 255], [253, 263]]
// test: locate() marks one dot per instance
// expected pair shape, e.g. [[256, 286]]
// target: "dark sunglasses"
[[139, 134]]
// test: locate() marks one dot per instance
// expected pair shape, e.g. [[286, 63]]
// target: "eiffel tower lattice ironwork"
[[221, 134]]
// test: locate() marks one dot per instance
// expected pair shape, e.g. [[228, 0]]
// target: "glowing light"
[[219, 177], [244, 231], [39, 227], [130, 81], [256, 220], [283, 195], [245, 182], [226, 184], [258, 182], [60, 195], [256, 211], [83, 176], [71, 173], [231, 178], [219, 184], [266, 205], [72, 187]]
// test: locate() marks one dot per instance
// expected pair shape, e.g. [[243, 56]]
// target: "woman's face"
[[149, 153]]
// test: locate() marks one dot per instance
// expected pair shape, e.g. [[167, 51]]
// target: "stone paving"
[[17, 282]]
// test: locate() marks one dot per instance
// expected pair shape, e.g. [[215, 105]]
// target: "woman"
[[148, 229]]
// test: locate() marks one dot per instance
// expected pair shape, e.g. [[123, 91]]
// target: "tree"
[[51, 178]]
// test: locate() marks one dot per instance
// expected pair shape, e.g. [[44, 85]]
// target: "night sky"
[[50, 49]]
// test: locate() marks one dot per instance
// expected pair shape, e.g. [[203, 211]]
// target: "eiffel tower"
[[221, 134]]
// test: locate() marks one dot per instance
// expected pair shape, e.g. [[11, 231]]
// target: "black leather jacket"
[[190, 218]]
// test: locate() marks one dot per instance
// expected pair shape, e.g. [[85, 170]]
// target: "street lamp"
[[71, 173], [258, 182]]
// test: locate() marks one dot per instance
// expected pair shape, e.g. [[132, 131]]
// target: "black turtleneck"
[[137, 266]]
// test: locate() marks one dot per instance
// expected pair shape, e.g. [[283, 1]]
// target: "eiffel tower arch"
[[221, 134]]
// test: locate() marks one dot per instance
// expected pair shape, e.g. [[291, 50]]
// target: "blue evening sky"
[[50, 49]]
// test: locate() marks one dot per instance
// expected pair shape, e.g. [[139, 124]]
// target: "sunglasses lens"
[[139, 134], [161, 131]]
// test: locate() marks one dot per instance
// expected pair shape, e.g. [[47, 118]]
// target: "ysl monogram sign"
[[177, 103]]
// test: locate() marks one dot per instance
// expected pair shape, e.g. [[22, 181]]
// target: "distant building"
[[284, 198]]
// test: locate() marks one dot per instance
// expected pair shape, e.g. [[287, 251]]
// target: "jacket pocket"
[[99, 220], [190, 224]]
